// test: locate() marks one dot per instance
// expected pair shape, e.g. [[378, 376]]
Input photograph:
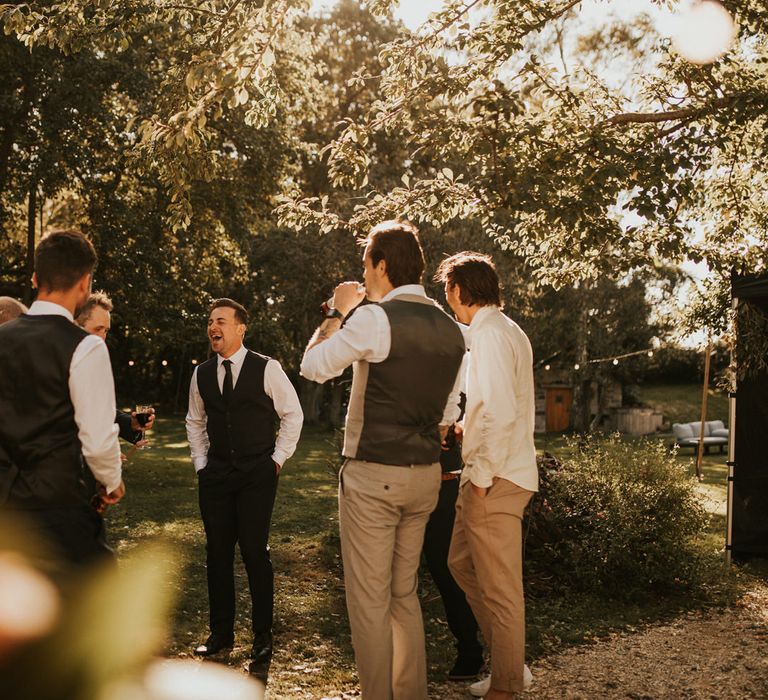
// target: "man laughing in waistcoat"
[[235, 400], [406, 354]]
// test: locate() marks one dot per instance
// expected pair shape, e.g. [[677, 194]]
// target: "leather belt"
[[449, 476]]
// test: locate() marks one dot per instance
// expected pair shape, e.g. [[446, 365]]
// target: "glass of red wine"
[[143, 414]]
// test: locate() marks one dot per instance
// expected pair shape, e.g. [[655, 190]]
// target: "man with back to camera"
[[235, 398], [96, 317], [63, 410], [10, 309], [406, 354], [500, 473], [437, 542]]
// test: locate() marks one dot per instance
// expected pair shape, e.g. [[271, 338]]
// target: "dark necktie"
[[228, 389]]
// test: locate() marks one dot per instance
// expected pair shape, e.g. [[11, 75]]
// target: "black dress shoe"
[[214, 644], [261, 652], [465, 668], [261, 656]]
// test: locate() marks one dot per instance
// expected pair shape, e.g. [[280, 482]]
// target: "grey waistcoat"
[[396, 405]]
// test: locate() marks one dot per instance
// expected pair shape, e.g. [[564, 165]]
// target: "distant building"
[[554, 403]]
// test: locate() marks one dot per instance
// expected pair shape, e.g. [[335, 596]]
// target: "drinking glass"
[[143, 413]]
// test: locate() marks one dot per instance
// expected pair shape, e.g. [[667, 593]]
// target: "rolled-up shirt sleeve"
[[365, 336], [92, 390], [286, 402], [197, 426]]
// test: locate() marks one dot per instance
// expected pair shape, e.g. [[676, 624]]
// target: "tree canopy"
[[580, 177], [234, 148]]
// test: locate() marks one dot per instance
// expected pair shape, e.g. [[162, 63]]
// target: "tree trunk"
[[310, 396], [335, 409], [580, 415], [602, 398], [31, 215]]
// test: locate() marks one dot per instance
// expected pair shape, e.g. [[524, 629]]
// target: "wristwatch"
[[334, 313]]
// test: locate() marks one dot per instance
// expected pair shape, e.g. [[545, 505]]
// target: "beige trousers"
[[486, 561], [383, 511]]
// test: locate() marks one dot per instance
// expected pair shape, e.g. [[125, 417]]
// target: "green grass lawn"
[[681, 403], [313, 652]]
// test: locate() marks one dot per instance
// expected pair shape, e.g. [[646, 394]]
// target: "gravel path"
[[705, 655]]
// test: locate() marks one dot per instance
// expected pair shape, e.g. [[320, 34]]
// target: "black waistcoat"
[[41, 464], [243, 433]]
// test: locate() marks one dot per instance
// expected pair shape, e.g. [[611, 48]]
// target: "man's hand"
[[347, 296], [137, 427], [277, 467], [111, 498]]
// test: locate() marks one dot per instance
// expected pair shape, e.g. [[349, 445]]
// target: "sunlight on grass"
[[313, 653]]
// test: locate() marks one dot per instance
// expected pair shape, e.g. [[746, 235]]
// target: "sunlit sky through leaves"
[[591, 15], [414, 12]]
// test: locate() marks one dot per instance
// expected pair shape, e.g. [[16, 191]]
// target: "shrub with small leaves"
[[617, 518]]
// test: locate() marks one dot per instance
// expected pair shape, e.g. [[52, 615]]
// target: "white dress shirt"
[[500, 410], [92, 392], [365, 336], [276, 385]]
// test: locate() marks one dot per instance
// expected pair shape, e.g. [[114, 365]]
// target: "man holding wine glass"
[[235, 399], [57, 407], [95, 317]]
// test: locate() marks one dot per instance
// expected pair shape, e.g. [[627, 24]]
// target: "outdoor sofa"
[[687, 434]]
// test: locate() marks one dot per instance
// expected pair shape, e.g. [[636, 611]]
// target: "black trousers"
[[75, 537], [236, 507], [437, 542]]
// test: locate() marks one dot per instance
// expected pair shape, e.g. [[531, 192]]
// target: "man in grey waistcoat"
[[406, 353]]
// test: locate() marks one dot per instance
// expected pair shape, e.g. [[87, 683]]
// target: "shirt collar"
[[482, 314], [236, 358], [49, 308], [416, 289]]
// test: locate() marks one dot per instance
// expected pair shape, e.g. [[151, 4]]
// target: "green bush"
[[614, 517]]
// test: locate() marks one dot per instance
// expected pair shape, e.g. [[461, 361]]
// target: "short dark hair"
[[62, 258], [10, 309], [397, 243], [95, 299], [241, 315], [476, 276]]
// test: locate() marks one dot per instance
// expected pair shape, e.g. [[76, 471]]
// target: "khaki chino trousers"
[[383, 511], [486, 561]]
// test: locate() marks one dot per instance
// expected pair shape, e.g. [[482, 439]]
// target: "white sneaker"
[[480, 688]]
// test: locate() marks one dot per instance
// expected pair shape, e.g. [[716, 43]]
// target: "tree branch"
[[687, 113]]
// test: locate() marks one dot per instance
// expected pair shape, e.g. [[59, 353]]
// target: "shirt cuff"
[[200, 463], [279, 457], [109, 488]]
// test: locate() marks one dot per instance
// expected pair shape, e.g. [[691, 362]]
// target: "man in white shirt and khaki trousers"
[[57, 410], [500, 473], [406, 354]]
